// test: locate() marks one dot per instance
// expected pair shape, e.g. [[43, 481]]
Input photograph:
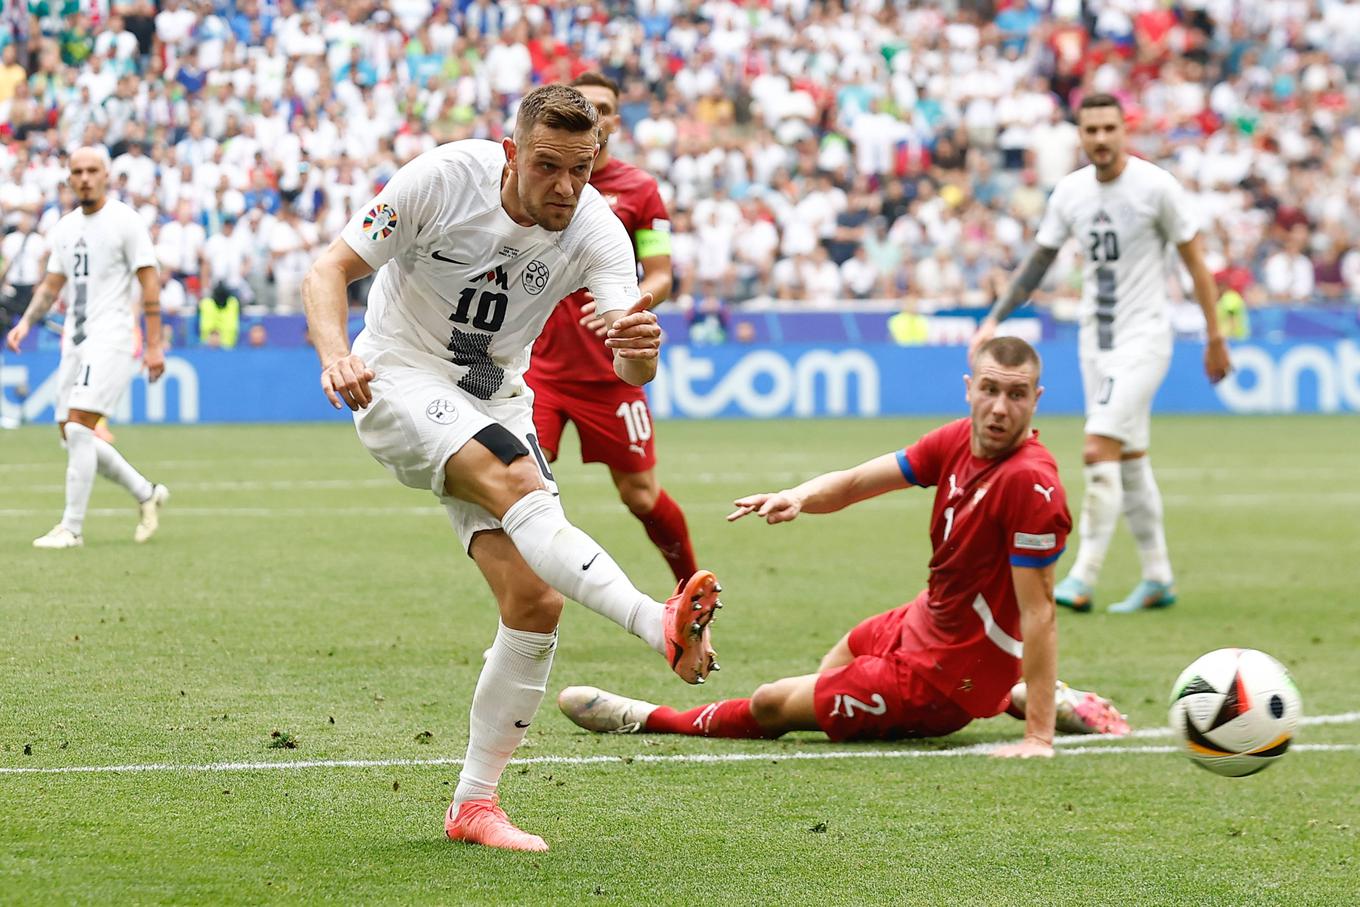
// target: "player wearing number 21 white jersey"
[[1124, 212], [474, 243], [103, 251]]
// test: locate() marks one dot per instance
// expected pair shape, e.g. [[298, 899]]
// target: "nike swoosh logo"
[[522, 724], [586, 565], [453, 261]]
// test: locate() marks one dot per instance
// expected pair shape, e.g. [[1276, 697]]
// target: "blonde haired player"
[[103, 249], [1125, 212], [474, 243]]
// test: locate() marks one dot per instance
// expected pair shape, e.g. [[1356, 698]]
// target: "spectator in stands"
[[1288, 273]]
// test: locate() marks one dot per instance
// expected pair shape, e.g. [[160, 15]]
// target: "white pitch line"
[[977, 749]]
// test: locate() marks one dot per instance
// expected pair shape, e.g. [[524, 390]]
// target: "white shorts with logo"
[[93, 379], [1119, 385], [419, 418]]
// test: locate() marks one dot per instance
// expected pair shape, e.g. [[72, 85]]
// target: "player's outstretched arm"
[[635, 338], [344, 376], [1217, 363], [43, 299], [826, 493], [1017, 294], [1039, 663]]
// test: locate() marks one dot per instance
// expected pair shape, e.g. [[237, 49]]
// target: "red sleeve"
[[652, 213], [921, 462], [1037, 521]]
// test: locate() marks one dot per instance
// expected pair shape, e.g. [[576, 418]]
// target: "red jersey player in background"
[[572, 372], [954, 653]]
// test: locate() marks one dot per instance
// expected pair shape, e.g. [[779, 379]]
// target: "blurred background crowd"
[[816, 153]]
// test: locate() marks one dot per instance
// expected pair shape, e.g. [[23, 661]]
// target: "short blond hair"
[[557, 107]]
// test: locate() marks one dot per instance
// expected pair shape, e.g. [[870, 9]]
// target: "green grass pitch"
[[295, 587]]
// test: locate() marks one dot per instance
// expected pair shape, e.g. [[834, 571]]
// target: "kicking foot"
[[59, 537], [1077, 711], [151, 513], [484, 822], [1073, 593], [685, 622], [604, 712], [1147, 595]]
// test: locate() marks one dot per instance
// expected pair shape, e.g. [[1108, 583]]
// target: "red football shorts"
[[880, 695], [612, 420]]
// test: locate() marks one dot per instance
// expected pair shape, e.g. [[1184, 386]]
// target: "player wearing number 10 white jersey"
[[474, 244], [1124, 212], [103, 251]]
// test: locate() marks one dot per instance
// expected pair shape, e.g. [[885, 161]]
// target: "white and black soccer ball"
[[1235, 711]]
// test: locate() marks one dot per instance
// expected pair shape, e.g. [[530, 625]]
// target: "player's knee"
[[536, 607], [638, 491], [767, 704]]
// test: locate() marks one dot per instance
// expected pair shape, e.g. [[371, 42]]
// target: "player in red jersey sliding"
[[571, 371], [954, 653]]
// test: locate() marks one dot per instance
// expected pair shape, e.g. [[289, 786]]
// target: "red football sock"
[[729, 718], [666, 528]]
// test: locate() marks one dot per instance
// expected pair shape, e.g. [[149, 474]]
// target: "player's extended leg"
[[1078, 711], [509, 691], [772, 710], [81, 463], [1143, 509], [494, 471], [150, 497], [1100, 510], [660, 515]]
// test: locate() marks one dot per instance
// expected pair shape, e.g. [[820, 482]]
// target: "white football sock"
[[574, 564], [114, 467], [1143, 508], [1099, 515], [81, 462], [509, 691]]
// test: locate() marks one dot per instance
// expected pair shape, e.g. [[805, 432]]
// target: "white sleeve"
[[1054, 227], [391, 222], [611, 275], [1175, 216], [137, 244], [55, 263]]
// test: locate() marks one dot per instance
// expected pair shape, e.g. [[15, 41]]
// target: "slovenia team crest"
[[442, 411], [380, 221], [535, 277]]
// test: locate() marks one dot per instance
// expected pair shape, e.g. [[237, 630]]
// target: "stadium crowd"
[[809, 151]]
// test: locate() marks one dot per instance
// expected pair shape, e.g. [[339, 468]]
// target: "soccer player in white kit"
[[104, 250], [1124, 211], [474, 243]]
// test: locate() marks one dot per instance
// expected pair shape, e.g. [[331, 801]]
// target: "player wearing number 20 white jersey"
[[475, 243], [1125, 227], [1124, 213]]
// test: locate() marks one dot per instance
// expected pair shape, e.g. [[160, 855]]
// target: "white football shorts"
[[1119, 385], [93, 379], [419, 418]]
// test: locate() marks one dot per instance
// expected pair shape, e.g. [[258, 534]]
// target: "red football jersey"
[[566, 351], [988, 516]]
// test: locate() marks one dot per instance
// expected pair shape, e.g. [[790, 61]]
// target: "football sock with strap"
[[81, 462], [1143, 508], [574, 564], [728, 718], [114, 467], [1099, 515], [666, 528], [508, 693]]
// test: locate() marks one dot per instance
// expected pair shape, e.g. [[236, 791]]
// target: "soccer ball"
[[1235, 711]]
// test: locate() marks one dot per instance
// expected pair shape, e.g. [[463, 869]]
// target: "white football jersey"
[[459, 280], [100, 255], [1126, 228]]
